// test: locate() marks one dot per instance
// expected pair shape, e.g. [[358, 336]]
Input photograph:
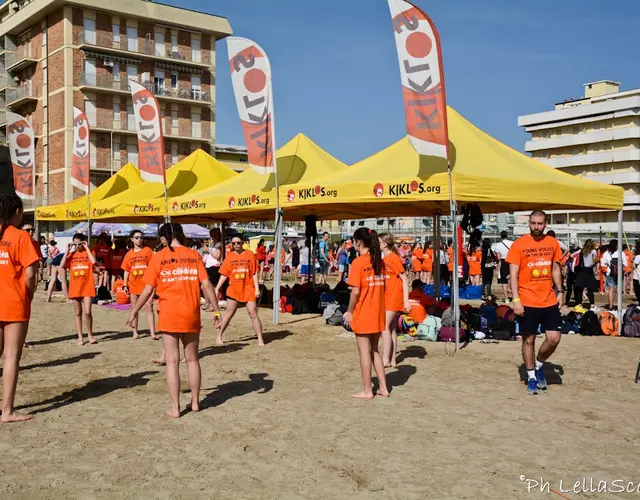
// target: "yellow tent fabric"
[[251, 196], [74, 210], [397, 181], [196, 172]]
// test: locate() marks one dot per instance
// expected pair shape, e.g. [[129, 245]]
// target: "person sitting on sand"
[[419, 301], [80, 261], [240, 268], [177, 274], [366, 312], [19, 266]]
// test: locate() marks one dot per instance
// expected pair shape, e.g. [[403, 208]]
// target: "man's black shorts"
[[548, 318], [503, 273]]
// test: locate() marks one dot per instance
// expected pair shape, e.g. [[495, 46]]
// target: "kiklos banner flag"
[[251, 80], [422, 75], [149, 128], [23, 157], [80, 163]]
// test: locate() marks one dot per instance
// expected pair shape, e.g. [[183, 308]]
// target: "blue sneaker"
[[532, 386], [540, 379]]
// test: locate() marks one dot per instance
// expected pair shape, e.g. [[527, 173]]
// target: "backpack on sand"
[[610, 324], [631, 322], [429, 329], [589, 324]]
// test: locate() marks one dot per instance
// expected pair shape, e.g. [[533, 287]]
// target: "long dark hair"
[[170, 232], [9, 204], [370, 240], [487, 253]]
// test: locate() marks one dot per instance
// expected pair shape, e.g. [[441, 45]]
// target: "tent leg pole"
[[620, 270], [278, 268], [455, 281], [436, 257]]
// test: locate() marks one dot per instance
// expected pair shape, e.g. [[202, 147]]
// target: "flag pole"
[[89, 216], [279, 216]]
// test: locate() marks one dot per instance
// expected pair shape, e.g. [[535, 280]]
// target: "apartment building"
[[235, 157], [596, 136], [56, 54]]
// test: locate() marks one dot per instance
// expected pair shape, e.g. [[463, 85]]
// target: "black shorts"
[[503, 275], [548, 318], [214, 274]]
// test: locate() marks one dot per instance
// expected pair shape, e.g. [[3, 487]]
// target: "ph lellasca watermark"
[[579, 486]]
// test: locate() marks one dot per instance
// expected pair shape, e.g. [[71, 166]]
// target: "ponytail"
[[170, 232], [369, 238]]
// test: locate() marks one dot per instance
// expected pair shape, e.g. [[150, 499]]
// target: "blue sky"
[[336, 76]]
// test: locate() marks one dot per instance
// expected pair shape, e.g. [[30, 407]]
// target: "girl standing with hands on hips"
[[177, 274], [19, 265], [366, 313], [134, 265], [80, 261]]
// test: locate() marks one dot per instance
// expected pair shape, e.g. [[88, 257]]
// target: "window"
[[115, 34], [116, 115], [158, 81], [115, 156], [132, 39], [195, 86], [195, 49], [174, 81], [174, 118], [159, 38], [89, 72], [132, 72], [132, 152], [115, 71], [174, 44], [44, 37], [92, 154], [131, 124], [196, 130], [89, 31], [174, 152], [90, 111]]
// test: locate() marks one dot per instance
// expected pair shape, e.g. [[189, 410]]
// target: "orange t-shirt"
[[427, 260], [535, 258], [416, 260], [122, 297], [450, 263], [81, 283], [240, 269], [369, 314], [136, 263], [629, 261], [16, 255], [475, 261], [418, 302], [176, 275], [393, 291], [104, 253]]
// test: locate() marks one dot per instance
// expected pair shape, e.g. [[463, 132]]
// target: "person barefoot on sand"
[[134, 265], [177, 273], [396, 297], [240, 268], [80, 262], [19, 265], [366, 313]]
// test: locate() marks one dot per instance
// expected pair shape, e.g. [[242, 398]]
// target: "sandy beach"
[[279, 422]]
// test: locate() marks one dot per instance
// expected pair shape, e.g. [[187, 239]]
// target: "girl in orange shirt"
[[427, 264], [177, 274], [416, 260], [19, 266], [366, 313], [396, 297], [240, 268], [474, 259], [134, 265], [80, 262]]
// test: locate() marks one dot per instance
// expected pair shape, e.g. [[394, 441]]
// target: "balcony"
[[121, 86], [22, 95], [19, 60], [145, 48], [127, 127]]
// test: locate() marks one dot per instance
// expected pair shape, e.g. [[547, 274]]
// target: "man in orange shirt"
[[240, 268], [534, 267]]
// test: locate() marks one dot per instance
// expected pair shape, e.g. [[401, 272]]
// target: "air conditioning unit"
[[146, 76]]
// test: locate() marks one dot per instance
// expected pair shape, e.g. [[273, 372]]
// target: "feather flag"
[[23, 157], [80, 163], [149, 128], [251, 80], [422, 75]]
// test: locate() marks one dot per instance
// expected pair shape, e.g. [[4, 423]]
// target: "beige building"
[[596, 136], [56, 54]]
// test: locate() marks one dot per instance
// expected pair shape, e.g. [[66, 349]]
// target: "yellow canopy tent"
[[196, 172], [251, 196], [399, 182], [74, 210]]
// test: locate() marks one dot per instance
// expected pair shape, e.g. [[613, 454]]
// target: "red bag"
[[448, 333]]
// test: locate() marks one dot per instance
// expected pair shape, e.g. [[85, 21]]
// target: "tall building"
[[596, 136], [56, 54]]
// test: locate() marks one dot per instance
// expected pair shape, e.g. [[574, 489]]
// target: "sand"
[[279, 422]]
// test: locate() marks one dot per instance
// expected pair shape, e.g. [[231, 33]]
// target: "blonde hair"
[[390, 241], [588, 247]]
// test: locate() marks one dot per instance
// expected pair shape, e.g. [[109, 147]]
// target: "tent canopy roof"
[[196, 172], [399, 182], [125, 178], [250, 195]]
